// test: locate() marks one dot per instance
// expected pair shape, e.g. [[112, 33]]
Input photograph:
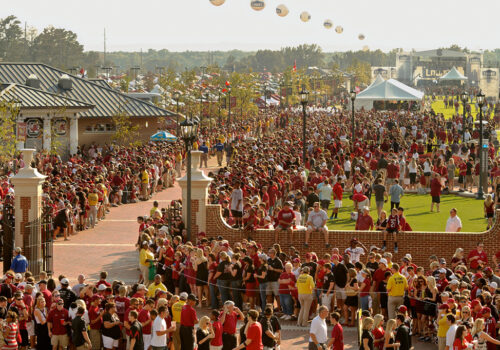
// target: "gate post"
[[199, 196], [28, 207]]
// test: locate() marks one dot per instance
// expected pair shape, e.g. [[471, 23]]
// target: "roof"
[[35, 98], [101, 82], [440, 53], [377, 81], [107, 101], [453, 74], [390, 90]]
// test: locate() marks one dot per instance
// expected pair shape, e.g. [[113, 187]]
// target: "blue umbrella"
[[163, 136]]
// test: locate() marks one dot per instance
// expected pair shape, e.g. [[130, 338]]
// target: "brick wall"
[[419, 244], [25, 208]]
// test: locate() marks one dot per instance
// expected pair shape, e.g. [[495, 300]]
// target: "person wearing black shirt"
[[261, 275], [111, 332], [136, 341], [3, 308], [223, 276], [328, 285], [340, 277], [402, 333], [79, 334], [312, 198], [67, 294], [367, 336], [236, 279], [274, 270], [268, 337]]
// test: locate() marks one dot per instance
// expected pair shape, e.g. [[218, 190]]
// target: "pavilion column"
[[73, 135], [47, 133]]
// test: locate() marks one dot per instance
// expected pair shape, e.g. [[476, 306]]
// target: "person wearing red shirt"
[[95, 317], [477, 258], [360, 201], [188, 320], [393, 227], [286, 217], [229, 318], [338, 191], [216, 342], [365, 221], [337, 338], [253, 332], [490, 326], [57, 320], [435, 192], [145, 319]]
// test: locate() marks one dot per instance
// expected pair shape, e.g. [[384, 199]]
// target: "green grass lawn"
[[418, 215]]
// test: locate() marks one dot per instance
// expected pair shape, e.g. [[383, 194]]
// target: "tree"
[[57, 47], [8, 112], [126, 133], [12, 44]]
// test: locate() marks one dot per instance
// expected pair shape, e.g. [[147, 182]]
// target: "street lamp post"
[[480, 102], [189, 129], [176, 96], [229, 108], [304, 99], [465, 98], [353, 98]]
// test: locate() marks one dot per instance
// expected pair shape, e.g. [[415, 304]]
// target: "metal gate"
[[7, 235], [39, 247]]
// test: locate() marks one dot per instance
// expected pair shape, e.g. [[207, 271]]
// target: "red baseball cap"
[[485, 310], [402, 309], [474, 303], [296, 260]]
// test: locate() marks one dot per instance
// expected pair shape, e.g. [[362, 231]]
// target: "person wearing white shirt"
[[159, 330], [318, 332], [450, 334], [453, 224]]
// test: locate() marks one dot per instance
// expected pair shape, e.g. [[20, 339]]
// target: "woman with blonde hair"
[[351, 301], [458, 258], [481, 336], [200, 265], [378, 331], [367, 336], [389, 337], [489, 210], [146, 258], [204, 333]]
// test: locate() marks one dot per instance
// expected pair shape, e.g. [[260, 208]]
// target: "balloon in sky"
[[361, 37], [282, 10], [305, 16], [339, 29], [258, 5], [217, 2], [328, 23]]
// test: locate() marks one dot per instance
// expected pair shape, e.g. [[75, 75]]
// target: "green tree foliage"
[[12, 45], [126, 133], [8, 112], [57, 47]]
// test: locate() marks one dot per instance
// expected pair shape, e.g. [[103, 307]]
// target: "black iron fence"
[[39, 247], [7, 235]]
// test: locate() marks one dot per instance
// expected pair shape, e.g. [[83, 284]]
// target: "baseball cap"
[[19, 276], [139, 287], [163, 228], [103, 287], [454, 282], [402, 309], [192, 297], [335, 257], [485, 310], [308, 256], [442, 271], [95, 297], [474, 303], [65, 281], [383, 261], [494, 285], [296, 260], [321, 262], [442, 261], [488, 269], [451, 301], [183, 296]]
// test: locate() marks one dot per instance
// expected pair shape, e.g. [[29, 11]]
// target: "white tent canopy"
[[453, 74], [386, 90]]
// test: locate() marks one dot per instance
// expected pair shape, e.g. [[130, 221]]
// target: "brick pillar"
[[28, 193], [199, 195]]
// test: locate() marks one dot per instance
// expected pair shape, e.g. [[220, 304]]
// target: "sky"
[[180, 25]]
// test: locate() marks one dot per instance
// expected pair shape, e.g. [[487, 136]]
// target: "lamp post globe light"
[[464, 97], [480, 98], [304, 100], [189, 132], [353, 98]]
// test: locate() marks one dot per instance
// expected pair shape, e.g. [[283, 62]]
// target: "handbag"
[[349, 291], [152, 271]]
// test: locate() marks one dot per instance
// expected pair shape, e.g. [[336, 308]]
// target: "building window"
[[100, 128]]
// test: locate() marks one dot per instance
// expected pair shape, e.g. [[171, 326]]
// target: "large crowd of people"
[[208, 293]]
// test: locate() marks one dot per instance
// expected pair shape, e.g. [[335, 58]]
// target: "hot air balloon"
[[305, 16], [258, 5], [217, 2], [339, 29], [282, 10], [361, 37], [328, 24]]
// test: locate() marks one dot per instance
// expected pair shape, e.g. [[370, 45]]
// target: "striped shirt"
[[11, 338]]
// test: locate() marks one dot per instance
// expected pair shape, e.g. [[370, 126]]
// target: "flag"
[[357, 89], [294, 65]]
